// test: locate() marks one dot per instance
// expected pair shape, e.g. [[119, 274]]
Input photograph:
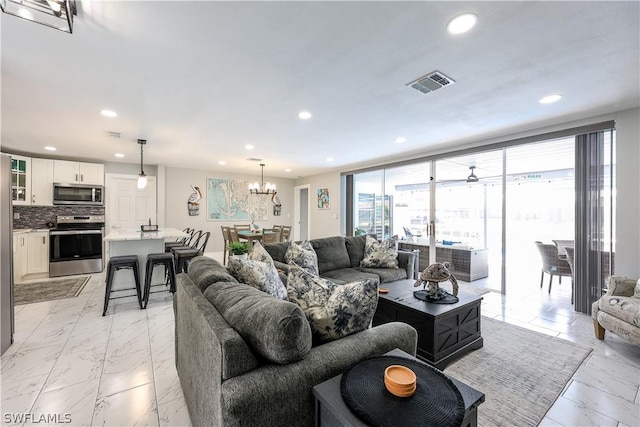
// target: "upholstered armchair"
[[618, 310]]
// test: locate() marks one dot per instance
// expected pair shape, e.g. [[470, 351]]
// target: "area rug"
[[521, 373], [472, 289], [32, 292]]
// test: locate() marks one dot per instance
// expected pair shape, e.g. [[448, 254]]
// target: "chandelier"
[[56, 14], [262, 187]]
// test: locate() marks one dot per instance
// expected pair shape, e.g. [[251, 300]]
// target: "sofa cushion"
[[346, 275], [277, 251], [274, 285], [204, 271], [303, 256], [334, 311], [332, 253], [260, 275], [275, 329], [380, 255], [386, 275], [623, 308], [355, 248]]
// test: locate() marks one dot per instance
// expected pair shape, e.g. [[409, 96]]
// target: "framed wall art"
[[324, 198]]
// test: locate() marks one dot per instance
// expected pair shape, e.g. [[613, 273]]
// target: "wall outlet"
[[16, 215]]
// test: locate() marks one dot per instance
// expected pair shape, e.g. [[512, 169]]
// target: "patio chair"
[[552, 264]]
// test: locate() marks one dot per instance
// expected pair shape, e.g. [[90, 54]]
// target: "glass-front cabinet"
[[20, 180]]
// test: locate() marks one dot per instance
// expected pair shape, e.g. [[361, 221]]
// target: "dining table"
[[252, 235]]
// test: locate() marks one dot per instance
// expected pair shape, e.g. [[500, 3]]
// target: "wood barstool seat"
[[119, 263], [154, 260]]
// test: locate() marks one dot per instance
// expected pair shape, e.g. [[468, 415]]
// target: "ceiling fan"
[[471, 178]]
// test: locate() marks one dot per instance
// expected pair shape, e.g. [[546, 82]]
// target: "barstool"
[[154, 260], [184, 255], [119, 263]]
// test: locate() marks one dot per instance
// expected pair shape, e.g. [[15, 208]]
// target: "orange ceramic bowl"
[[399, 391]]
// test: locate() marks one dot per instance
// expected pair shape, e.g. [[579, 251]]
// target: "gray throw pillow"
[[304, 256], [257, 274], [277, 330], [334, 311], [380, 255]]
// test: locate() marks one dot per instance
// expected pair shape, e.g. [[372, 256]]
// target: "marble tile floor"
[[80, 368]]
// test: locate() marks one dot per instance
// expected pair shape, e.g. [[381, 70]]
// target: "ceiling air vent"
[[116, 135], [432, 81], [254, 159]]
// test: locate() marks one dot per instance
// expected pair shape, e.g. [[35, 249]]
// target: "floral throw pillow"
[[303, 256], [275, 287], [636, 290], [260, 275], [380, 255], [334, 311]]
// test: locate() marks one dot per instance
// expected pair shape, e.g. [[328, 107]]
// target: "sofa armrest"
[[409, 261], [620, 286], [256, 398]]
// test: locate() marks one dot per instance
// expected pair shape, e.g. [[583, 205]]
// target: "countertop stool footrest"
[[129, 262], [153, 260]]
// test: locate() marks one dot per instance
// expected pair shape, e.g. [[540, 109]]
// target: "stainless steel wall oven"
[[76, 245]]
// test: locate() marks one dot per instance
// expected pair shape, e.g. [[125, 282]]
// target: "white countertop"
[[118, 235]]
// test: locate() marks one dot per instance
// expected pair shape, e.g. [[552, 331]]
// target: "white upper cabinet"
[[41, 182], [20, 180], [76, 172]]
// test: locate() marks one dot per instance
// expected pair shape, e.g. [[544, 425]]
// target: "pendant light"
[[262, 187], [142, 178]]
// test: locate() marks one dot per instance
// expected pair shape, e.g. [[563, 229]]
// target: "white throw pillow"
[[304, 256], [261, 275], [380, 255], [636, 290], [334, 311]]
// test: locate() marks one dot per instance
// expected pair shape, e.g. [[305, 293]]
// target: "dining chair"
[[552, 264], [286, 233], [270, 236], [226, 236], [242, 227]]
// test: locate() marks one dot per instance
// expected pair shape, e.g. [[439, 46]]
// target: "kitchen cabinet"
[[37, 252], [42, 182], [68, 172], [19, 256], [20, 180], [30, 255]]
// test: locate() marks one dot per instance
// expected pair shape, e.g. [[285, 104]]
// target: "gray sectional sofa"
[[246, 358], [339, 260]]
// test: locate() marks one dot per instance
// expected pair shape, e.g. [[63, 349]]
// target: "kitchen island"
[[135, 242]]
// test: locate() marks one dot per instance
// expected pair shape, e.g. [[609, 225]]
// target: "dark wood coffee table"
[[445, 331], [331, 411]]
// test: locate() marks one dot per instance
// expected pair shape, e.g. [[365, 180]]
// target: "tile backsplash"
[[38, 216]]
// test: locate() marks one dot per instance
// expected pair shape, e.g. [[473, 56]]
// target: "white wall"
[[177, 189], [323, 222], [627, 262]]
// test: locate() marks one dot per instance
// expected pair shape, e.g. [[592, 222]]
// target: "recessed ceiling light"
[[304, 115], [108, 113], [462, 23], [222, 162], [401, 139], [120, 155], [287, 170], [549, 99], [329, 159], [249, 147], [49, 148]]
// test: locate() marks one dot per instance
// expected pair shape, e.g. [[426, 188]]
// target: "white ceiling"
[[199, 80]]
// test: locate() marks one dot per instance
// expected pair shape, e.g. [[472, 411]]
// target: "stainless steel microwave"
[[78, 194]]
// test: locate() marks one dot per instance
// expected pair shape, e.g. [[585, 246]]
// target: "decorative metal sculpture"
[[430, 279]]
